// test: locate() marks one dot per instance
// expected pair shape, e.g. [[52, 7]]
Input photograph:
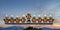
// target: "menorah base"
[[30, 23]]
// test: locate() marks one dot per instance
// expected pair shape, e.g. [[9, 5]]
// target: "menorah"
[[28, 19]]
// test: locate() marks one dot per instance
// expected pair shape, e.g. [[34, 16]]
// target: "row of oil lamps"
[[29, 18]]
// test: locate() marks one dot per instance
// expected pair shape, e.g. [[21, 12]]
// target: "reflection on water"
[[28, 28]]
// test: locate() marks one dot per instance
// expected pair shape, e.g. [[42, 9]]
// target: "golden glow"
[[39, 19], [17, 20], [28, 16], [33, 19], [23, 19], [45, 19]]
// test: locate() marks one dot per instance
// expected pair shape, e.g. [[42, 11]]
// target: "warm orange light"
[[33, 19], [28, 16], [23, 19]]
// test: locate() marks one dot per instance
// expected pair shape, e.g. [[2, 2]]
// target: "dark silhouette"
[[31, 28]]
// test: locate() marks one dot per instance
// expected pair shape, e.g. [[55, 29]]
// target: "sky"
[[35, 7]]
